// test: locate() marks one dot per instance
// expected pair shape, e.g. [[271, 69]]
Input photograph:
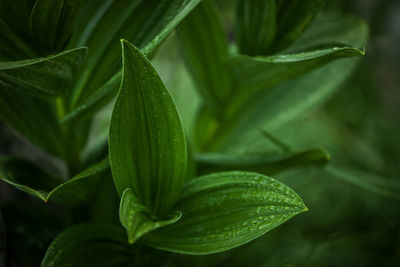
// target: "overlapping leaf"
[[145, 23], [43, 77], [31, 179], [225, 210], [135, 217], [51, 22], [147, 145]]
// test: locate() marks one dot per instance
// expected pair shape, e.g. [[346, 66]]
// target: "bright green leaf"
[[90, 245], [44, 77], [225, 210], [147, 145], [31, 179], [135, 217], [255, 26]]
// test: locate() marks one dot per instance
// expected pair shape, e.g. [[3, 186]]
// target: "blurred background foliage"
[[349, 223]]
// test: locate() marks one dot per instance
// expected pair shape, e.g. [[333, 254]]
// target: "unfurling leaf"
[[135, 217], [146, 141], [225, 210]]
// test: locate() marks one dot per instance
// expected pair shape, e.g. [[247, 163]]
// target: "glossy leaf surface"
[[135, 217], [225, 210], [146, 140], [43, 77]]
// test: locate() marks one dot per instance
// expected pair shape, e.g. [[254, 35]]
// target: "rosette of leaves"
[[159, 206]]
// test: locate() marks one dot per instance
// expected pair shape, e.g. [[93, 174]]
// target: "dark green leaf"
[[31, 179], [299, 95], [89, 245], [14, 30], [17, 108], [368, 180], [255, 26], [205, 48], [225, 210], [264, 72], [265, 163], [146, 23], [51, 22], [293, 18], [135, 217], [146, 141], [43, 77]]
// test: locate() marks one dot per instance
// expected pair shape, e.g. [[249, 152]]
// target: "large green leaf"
[[255, 26], [146, 23], [44, 77], [135, 217], [225, 210], [147, 145], [90, 245], [31, 179], [51, 22], [205, 48], [293, 18]]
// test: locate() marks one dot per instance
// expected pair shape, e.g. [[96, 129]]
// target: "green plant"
[[193, 185]]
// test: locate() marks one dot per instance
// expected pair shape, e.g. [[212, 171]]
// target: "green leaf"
[[205, 48], [255, 26], [367, 180], [263, 73], [296, 96], [31, 179], [262, 162], [135, 217], [16, 110], [293, 18], [14, 30], [43, 77], [89, 245], [147, 145], [51, 22], [225, 210], [145, 23]]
